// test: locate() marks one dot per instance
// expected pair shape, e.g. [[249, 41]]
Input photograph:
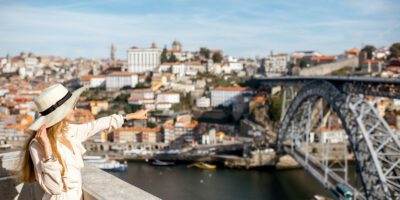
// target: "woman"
[[53, 155]]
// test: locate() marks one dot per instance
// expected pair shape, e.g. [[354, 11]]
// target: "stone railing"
[[97, 184]]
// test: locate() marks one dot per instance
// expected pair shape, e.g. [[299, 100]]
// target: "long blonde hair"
[[26, 172]]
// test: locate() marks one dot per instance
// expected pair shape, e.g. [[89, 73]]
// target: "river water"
[[180, 182]]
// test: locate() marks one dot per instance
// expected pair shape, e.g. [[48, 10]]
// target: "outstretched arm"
[[83, 131]]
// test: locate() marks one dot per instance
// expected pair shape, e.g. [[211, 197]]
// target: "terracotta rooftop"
[[193, 63], [139, 129], [370, 61], [392, 68], [120, 74], [193, 124], [145, 90], [323, 57], [259, 99], [170, 63], [296, 57], [353, 51], [138, 98], [231, 89], [88, 77]]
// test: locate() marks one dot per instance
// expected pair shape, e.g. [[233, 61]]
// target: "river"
[[180, 183]]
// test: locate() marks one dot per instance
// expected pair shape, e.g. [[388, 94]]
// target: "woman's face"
[[70, 116]]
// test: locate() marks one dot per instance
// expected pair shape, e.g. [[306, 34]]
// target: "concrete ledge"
[[98, 184]]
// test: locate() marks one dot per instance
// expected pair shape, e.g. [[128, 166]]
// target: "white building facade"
[[117, 80], [93, 81], [168, 98], [332, 136], [203, 102], [276, 64], [226, 95], [142, 60]]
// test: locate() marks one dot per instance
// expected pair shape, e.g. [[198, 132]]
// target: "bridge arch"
[[376, 148]]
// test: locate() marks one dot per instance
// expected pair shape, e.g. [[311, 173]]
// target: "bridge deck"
[[360, 85]]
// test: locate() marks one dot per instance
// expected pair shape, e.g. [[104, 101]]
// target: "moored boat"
[[104, 163], [202, 165], [162, 163]]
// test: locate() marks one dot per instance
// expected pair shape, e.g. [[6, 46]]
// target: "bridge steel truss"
[[375, 147]]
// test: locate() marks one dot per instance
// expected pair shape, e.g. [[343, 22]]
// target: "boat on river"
[[104, 163], [202, 165], [162, 163]]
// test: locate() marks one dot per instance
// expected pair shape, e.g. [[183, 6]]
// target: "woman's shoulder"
[[73, 129]]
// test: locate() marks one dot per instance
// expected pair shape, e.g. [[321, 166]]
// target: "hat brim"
[[59, 113]]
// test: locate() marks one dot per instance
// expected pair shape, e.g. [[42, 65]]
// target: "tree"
[[369, 49], [126, 87], [275, 106], [395, 50], [141, 86], [303, 63], [205, 53], [164, 57], [172, 58], [148, 79], [151, 125], [122, 98], [217, 57], [132, 108]]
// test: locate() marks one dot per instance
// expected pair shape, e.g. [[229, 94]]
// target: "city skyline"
[[87, 29]]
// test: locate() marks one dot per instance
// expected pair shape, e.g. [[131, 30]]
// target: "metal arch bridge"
[[374, 146]]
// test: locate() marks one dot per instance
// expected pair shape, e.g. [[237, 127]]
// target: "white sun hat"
[[53, 104]]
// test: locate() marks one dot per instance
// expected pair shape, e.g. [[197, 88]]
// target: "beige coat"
[[48, 174]]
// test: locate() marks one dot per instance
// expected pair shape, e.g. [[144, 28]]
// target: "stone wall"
[[326, 69], [98, 184]]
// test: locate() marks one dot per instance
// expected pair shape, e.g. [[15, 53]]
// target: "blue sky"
[[239, 27]]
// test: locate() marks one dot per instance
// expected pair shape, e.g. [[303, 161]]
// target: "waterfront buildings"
[[331, 135], [142, 60], [127, 134], [180, 130], [137, 134], [151, 135], [117, 80], [225, 96]]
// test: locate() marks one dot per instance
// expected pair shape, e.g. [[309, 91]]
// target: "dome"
[[153, 45], [175, 43]]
